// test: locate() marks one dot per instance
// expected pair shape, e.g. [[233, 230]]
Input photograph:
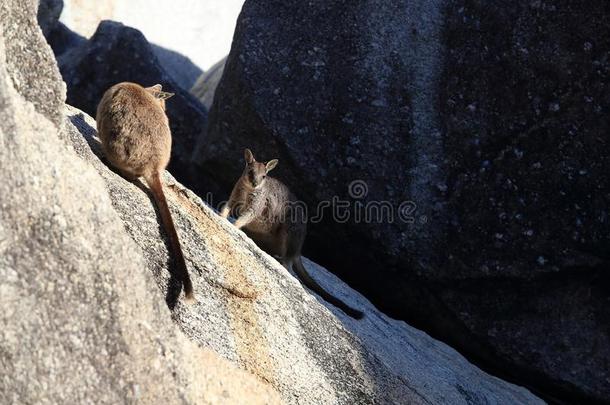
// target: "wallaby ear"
[[163, 95], [248, 156], [271, 165], [155, 88], [157, 93]]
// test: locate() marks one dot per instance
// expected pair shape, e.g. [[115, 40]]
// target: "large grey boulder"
[[82, 319], [488, 120]]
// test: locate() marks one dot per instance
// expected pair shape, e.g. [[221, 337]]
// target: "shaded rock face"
[[525, 104], [48, 15], [179, 67], [116, 53], [490, 119]]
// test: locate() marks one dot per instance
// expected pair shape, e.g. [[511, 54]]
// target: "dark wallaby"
[[267, 213]]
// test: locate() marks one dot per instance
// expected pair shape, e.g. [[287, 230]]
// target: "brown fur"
[[267, 213], [136, 139]]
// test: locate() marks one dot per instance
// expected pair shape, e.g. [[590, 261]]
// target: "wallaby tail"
[[312, 284], [157, 189]]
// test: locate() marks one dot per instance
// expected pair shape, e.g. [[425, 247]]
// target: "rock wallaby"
[[136, 139], [269, 214]]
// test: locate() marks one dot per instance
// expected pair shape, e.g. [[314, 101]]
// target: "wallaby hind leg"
[[281, 242]]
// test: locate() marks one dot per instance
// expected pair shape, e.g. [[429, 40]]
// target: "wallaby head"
[[255, 172], [158, 94]]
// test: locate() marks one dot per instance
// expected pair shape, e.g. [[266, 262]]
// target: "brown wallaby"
[[136, 139], [269, 214]]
